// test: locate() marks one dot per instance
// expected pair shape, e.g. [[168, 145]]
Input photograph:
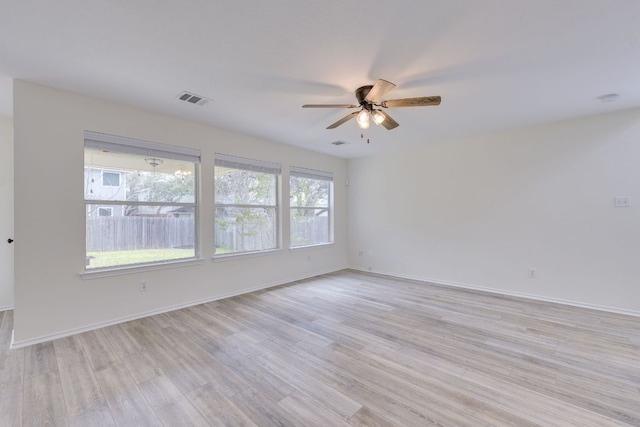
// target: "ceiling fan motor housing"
[[361, 94]]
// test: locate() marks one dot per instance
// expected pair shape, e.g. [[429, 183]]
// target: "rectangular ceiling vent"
[[193, 99]]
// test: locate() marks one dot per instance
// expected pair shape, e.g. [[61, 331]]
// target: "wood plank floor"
[[343, 349]]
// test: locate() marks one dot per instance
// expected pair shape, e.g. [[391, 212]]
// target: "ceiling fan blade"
[[411, 102], [388, 122], [343, 120], [378, 90], [329, 106]]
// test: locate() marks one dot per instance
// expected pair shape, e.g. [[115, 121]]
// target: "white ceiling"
[[496, 63]]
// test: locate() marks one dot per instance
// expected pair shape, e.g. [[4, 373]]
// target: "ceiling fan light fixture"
[[369, 97], [378, 117], [363, 119]]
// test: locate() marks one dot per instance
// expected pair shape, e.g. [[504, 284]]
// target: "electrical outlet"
[[622, 202], [360, 253], [532, 273], [308, 258], [143, 286]]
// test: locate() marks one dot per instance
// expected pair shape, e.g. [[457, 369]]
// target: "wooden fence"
[[312, 231], [231, 238], [119, 233]]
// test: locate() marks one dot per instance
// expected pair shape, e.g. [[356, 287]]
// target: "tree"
[[306, 192], [158, 187], [309, 201], [245, 203]]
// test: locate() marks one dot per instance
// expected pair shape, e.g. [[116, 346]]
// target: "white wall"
[[51, 299], [482, 211], [6, 213]]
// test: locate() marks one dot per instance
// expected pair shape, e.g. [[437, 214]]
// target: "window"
[[310, 202], [105, 211], [246, 199], [145, 211], [111, 179]]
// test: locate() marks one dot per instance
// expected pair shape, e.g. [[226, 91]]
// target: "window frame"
[[300, 172], [137, 148], [251, 165]]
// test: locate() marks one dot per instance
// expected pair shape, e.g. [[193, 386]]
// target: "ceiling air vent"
[[192, 98]]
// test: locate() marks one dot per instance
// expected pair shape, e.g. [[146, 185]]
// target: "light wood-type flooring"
[[343, 349]]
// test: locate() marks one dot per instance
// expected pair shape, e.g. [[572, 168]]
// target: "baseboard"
[[74, 331], [6, 307], [502, 292]]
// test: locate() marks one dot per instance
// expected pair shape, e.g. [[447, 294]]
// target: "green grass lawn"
[[141, 256]]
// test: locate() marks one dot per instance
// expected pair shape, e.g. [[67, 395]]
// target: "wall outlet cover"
[[622, 202]]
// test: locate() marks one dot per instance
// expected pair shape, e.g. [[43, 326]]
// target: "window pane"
[[111, 179], [307, 192], [105, 211], [309, 226], [136, 234], [310, 201], [124, 177], [245, 229], [240, 187]]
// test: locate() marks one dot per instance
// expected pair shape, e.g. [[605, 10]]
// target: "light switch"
[[623, 202]]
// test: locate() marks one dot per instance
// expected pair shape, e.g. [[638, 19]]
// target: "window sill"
[[118, 271], [242, 255], [319, 245]]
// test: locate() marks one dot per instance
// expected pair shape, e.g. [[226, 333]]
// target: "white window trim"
[[253, 165], [248, 254], [300, 172], [139, 147], [97, 273], [314, 245]]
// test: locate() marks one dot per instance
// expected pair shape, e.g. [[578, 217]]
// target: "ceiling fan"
[[369, 97]]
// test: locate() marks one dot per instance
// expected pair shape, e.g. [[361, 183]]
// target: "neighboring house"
[[105, 184], [111, 184]]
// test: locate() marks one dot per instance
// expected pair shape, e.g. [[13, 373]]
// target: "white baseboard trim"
[[25, 343], [502, 292], [6, 307]]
